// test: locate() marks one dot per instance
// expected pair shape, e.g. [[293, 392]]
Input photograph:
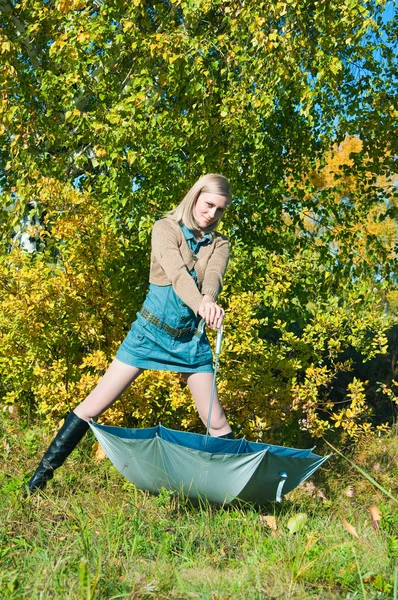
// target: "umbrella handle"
[[200, 328], [220, 331], [282, 481]]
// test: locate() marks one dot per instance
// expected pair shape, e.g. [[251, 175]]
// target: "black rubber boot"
[[228, 436], [64, 442]]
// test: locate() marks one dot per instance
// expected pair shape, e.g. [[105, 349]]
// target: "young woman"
[[188, 262]]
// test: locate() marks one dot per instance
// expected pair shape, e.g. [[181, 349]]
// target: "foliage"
[[63, 309], [109, 110], [156, 92], [294, 349]]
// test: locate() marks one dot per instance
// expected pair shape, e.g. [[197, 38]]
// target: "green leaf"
[[297, 522]]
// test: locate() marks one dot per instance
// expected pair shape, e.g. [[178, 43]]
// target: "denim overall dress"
[[149, 346]]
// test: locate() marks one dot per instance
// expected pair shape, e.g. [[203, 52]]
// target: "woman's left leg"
[[200, 385]]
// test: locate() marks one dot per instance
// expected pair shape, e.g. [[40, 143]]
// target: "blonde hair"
[[184, 212]]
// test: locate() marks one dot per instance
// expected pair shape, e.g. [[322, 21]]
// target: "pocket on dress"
[[138, 330], [201, 350], [136, 338]]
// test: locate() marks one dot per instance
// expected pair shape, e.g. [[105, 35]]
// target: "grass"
[[93, 536]]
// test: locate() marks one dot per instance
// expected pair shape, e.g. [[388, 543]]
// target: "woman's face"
[[209, 208]]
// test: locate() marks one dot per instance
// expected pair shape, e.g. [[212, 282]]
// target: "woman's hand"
[[211, 312]]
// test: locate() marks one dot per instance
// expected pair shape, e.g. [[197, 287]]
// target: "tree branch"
[[7, 8]]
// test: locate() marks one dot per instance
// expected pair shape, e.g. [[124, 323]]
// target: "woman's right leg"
[[116, 379]]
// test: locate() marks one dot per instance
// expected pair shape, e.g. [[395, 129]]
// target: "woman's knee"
[[86, 413], [218, 423], [82, 414]]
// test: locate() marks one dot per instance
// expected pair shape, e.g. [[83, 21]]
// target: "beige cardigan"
[[172, 259]]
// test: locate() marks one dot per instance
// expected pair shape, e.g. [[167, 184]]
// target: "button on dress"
[[147, 346]]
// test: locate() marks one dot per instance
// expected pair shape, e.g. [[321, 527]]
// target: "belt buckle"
[[184, 331]]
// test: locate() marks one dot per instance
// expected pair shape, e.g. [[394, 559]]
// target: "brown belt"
[[177, 333]]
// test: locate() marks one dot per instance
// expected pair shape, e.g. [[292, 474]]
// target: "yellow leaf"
[[97, 453], [350, 529], [270, 521], [82, 37], [64, 5], [375, 516], [57, 45]]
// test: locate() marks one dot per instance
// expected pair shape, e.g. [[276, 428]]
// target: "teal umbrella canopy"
[[202, 467]]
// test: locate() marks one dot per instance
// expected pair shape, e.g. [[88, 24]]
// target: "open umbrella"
[[200, 466]]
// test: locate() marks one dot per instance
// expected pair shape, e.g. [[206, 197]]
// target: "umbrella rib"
[[159, 442]]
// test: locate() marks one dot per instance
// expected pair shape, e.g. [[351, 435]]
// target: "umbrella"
[[203, 467]]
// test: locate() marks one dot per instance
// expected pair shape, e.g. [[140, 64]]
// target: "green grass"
[[92, 535]]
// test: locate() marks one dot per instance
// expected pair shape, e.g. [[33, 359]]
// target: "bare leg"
[[200, 385], [117, 378]]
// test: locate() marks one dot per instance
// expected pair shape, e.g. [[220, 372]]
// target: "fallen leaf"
[[270, 521], [375, 516], [310, 488], [297, 522], [350, 491], [97, 452], [351, 530]]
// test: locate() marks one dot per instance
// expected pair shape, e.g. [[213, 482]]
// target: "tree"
[[111, 109]]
